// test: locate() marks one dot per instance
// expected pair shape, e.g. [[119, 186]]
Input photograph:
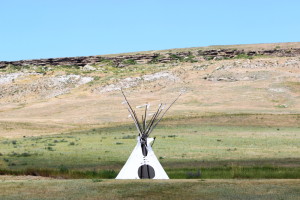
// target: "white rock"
[[134, 81], [89, 68]]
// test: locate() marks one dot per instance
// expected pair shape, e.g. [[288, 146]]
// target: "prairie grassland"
[[182, 146], [27, 188]]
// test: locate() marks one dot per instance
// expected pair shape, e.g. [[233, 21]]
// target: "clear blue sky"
[[32, 29]]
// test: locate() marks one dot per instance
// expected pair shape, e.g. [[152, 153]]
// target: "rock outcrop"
[[123, 60]]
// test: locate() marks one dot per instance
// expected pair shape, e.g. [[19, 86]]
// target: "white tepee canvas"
[[138, 164], [142, 163]]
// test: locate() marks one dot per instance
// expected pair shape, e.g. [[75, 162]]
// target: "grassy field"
[[185, 149], [28, 188]]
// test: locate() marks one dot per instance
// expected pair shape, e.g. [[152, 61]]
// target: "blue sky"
[[35, 29]]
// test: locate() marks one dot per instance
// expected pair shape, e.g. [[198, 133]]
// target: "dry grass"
[[276, 92], [145, 189], [262, 46]]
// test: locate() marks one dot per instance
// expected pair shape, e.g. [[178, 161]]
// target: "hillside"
[[238, 117], [50, 96]]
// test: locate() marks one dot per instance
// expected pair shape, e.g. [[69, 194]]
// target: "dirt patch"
[[236, 76], [135, 81], [38, 87], [11, 77], [252, 70]]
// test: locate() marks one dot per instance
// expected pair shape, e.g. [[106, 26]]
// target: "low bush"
[[129, 62]]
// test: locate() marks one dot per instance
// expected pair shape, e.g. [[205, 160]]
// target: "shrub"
[[193, 174], [13, 154], [97, 180], [129, 62], [49, 149], [41, 70], [281, 106], [108, 174], [190, 58], [129, 137], [63, 169], [25, 154], [105, 61], [209, 57], [243, 56], [176, 57], [12, 164], [156, 58], [14, 67], [96, 78]]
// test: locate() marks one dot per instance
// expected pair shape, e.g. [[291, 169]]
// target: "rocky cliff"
[[123, 60]]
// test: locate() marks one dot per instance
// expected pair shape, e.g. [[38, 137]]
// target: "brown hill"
[[56, 95]]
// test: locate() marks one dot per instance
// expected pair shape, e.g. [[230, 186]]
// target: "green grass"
[[62, 172], [129, 62], [104, 146], [236, 172], [153, 189], [181, 148], [233, 172]]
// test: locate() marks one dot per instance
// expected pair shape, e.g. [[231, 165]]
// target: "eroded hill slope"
[[44, 99]]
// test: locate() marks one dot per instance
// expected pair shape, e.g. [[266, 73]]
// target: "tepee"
[[142, 163]]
